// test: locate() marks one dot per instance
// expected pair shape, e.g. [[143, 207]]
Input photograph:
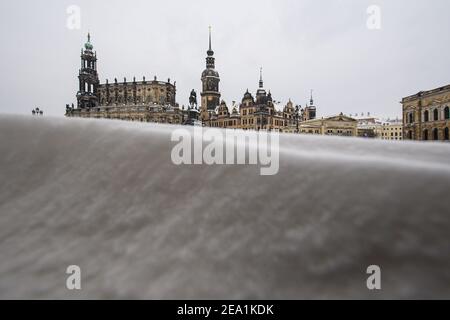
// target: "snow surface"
[[105, 195]]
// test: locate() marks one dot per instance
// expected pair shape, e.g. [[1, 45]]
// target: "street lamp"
[[37, 112]]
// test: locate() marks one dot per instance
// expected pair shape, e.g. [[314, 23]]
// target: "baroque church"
[[144, 100], [155, 101]]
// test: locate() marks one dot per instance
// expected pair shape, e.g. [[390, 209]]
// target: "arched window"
[[436, 115], [446, 134], [411, 117], [425, 134], [435, 134], [426, 116], [446, 113]]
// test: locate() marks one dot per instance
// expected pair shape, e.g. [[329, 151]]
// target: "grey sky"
[[324, 45]]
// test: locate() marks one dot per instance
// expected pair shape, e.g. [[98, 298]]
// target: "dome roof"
[[210, 73], [88, 45]]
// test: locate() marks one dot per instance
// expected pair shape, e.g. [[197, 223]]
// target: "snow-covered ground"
[[105, 195]]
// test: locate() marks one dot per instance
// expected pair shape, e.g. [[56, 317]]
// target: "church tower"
[[210, 94], [88, 77], [310, 109]]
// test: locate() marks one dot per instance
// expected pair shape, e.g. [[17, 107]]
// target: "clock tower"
[[210, 95]]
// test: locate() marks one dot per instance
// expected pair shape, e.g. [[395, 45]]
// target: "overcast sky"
[[323, 45]]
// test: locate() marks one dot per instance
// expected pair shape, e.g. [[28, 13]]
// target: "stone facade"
[[426, 115], [331, 126], [391, 131], [137, 93]]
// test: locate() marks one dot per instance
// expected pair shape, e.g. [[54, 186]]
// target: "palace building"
[[260, 113], [253, 113], [426, 115]]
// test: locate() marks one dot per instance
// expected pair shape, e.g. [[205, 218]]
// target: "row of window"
[[229, 123], [130, 91], [278, 123], [249, 112], [426, 115], [88, 64], [432, 134], [435, 134], [430, 116], [310, 131], [392, 134], [248, 121]]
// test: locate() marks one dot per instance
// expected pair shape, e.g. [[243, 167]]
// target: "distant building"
[[426, 115], [253, 113], [373, 127], [391, 130], [340, 125], [149, 101], [367, 126]]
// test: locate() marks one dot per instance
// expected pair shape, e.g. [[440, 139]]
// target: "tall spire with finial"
[[210, 61], [311, 101], [209, 38], [88, 45], [210, 51], [261, 83]]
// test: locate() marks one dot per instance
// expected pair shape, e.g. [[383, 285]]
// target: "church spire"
[[311, 101], [261, 83], [210, 38], [210, 60], [210, 52]]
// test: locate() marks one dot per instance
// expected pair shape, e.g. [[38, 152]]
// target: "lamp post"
[[297, 109], [37, 112]]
